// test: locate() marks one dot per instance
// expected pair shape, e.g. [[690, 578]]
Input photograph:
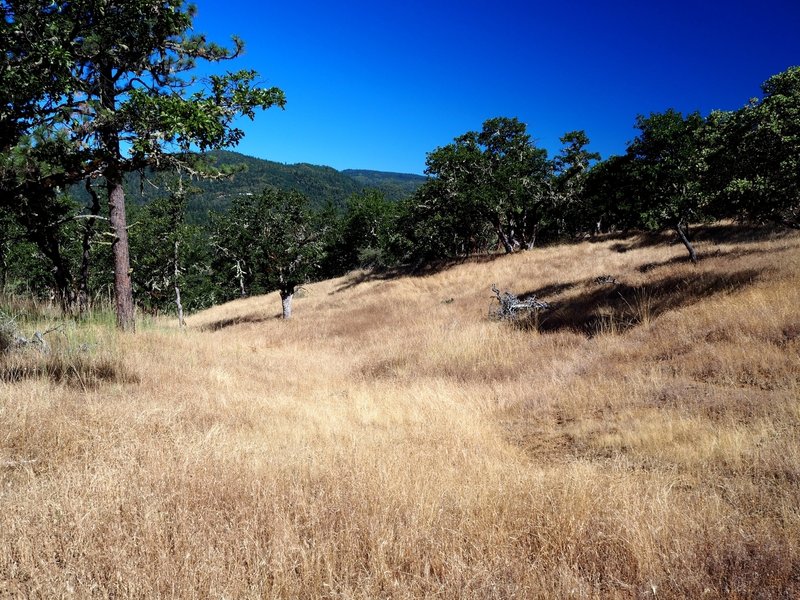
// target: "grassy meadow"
[[642, 440]]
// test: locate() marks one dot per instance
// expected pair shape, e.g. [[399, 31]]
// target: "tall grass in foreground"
[[389, 442], [39, 342]]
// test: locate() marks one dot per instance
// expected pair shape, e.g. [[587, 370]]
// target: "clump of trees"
[[95, 91], [679, 169]]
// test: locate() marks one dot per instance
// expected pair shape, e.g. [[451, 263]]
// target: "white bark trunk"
[[286, 302]]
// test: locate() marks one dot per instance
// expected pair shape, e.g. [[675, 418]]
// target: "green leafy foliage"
[[571, 167], [756, 154], [273, 239], [668, 166], [362, 236], [609, 198], [495, 179], [168, 254], [113, 75]]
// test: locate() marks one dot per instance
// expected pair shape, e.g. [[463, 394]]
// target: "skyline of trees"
[[489, 190]]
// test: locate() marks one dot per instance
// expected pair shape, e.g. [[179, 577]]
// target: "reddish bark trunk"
[[123, 289]]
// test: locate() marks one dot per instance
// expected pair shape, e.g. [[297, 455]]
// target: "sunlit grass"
[[391, 442]]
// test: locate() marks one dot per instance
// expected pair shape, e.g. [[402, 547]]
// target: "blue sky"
[[376, 85]]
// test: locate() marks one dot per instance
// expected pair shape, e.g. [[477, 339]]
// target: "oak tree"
[[756, 154], [669, 166], [278, 236], [495, 177]]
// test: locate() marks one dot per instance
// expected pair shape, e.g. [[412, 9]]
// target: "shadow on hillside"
[[78, 371], [548, 291], [618, 307], [714, 233], [420, 270], [641, 240], [224, 323], [724, 254], [741, 233], [358, 277]]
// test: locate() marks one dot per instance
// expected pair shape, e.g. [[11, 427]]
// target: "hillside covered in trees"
[[128, 183], [223, 234], [320, 184], [323, 186]]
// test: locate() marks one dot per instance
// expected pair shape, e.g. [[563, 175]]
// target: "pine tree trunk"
[[286, 303], [123, 289], [679, 227]]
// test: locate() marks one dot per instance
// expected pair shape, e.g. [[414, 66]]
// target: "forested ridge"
[[321, 184]]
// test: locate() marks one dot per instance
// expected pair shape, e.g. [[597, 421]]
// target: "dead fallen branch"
[[512, 308]]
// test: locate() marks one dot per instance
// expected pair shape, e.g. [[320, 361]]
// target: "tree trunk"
[[88, 235], [502, 236], [123, 288], [529, 229], [3, 267], [679, 227], [286, 303], [62, 277], [240, 278], [530, 240], [178, 305]]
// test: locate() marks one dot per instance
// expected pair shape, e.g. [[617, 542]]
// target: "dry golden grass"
[[392, 442]]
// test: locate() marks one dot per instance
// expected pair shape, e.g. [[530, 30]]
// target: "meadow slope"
[[391, 441]]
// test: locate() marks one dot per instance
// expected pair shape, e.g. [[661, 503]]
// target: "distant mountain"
[[395, 185], [322, 185]]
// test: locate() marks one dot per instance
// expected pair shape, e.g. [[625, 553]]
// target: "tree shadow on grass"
[[718, 253], [421, 270], [75, 370], [741, 233], [548, 291], [356, 278], [618, 307], [225, 323], [713, 233], [646, 239]]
